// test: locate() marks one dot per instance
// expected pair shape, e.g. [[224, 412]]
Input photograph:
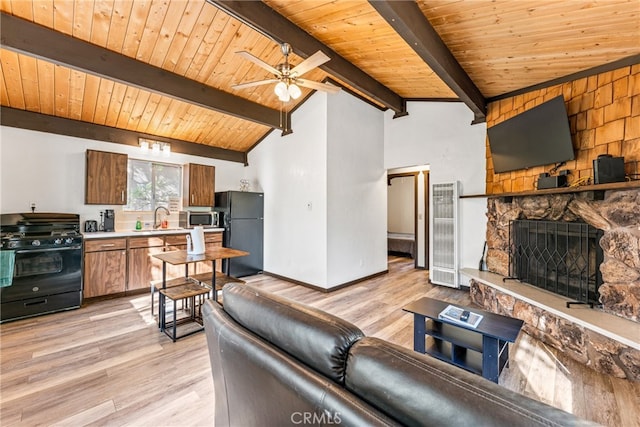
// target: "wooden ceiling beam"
[[35, 40], [61, 126], [409, 22], [270, 23]]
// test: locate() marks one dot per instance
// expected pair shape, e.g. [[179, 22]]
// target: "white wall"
[[356, 190], [325, 193], [49, 170], [292, 173], [440, 134]]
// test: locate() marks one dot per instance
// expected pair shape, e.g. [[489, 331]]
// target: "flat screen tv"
[[539, 136]]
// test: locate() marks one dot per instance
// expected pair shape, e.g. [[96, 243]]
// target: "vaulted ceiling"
[[118, 69]]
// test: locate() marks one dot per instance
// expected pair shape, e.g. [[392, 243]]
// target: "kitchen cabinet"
[[198, 185], [211, 240], [105, 267], [125, 264], [175, 242], [106, 178], [143, 266]]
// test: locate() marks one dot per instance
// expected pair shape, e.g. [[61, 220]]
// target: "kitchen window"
[[152, 184]]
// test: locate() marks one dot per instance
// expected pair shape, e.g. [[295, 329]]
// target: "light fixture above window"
[[156, 147]]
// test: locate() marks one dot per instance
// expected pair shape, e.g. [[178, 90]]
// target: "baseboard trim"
[[326, 290]]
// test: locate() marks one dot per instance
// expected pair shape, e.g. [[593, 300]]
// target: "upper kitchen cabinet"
[[198, 185], [106, 178]]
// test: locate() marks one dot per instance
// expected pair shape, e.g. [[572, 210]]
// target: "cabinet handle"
[[191, 197], [107, 245], [122, 195]]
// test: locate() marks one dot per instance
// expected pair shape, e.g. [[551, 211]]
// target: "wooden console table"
[[483, 350]]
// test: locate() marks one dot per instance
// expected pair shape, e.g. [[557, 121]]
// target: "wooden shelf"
[[459, 356], [455, 335], [563, 190]]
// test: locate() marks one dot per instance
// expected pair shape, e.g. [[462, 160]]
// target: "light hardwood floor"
[[107, 364]]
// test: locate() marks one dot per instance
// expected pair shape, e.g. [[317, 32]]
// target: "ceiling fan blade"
[[252, 84], [318, 86], [310, 63], [258, 61]]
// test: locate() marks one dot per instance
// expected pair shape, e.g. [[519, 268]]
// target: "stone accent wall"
[[583, 345], [618, 215], [604, 117]]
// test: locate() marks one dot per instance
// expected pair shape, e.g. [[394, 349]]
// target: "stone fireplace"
[[615, 215], [559, 257]]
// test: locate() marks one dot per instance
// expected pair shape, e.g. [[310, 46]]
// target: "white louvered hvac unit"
[[443, 259]]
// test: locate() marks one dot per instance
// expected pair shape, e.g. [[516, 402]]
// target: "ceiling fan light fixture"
[[285, 97], [294, 91], [280, 89]]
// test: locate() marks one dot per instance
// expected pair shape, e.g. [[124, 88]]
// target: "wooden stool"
[[188, 290], [221, 280], [157, 285]]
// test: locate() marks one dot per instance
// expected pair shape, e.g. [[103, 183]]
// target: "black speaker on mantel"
[[607, 168]]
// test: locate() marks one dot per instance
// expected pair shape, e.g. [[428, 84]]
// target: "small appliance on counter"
[[195, 241], [190, 219], [109, 220], [90, 226]]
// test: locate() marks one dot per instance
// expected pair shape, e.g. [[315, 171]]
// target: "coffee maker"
[[109, 220]]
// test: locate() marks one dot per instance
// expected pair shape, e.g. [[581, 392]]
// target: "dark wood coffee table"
[[483, 350]]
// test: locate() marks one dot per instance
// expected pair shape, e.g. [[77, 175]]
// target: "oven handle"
[[66, 248], [40, 302]]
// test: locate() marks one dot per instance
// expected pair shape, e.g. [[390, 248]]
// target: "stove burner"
[[39, 230]]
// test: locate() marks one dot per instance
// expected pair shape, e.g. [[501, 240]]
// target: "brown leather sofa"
[[276, 362]]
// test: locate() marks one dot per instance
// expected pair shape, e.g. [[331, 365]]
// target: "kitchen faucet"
[[155, 216]]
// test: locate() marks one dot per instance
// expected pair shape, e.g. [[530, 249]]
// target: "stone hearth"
[[574, 338], [618, 216]]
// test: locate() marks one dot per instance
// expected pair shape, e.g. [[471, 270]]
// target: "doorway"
[[408, 213]]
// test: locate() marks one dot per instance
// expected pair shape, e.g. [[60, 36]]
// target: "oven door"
[[44, 280]]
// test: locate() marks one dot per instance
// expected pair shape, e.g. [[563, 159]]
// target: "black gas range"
[[41, 255]]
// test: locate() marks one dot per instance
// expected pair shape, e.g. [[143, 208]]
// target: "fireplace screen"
[[560, 257]]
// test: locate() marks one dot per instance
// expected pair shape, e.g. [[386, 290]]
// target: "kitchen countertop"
[[143, 233]]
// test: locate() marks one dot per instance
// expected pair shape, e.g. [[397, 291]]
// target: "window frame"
[[154, 203]]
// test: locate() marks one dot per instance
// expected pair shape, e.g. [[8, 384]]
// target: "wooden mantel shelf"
[[563, 190]]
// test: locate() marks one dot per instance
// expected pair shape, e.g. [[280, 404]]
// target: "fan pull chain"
[[283, 122]]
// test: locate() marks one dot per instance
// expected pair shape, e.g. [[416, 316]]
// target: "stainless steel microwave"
[[190, 219]]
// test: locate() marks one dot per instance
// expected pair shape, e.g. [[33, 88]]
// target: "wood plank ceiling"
[[164, 68]]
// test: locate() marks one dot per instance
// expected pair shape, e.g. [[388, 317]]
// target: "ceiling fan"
[[288, 79]]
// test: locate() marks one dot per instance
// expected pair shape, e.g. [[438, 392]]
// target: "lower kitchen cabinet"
[[176, 242], [105, 267], [211, 240], [143, 266], [116, 265]]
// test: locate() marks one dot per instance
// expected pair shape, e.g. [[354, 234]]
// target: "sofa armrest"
[[417, 389]]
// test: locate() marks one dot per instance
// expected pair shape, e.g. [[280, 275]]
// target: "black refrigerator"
[[241, 215]]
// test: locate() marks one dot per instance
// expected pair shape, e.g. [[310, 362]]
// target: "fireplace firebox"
[[560, 257]]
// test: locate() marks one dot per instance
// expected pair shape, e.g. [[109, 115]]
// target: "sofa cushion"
[[257, 384], [318, 339], [417, 389]]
